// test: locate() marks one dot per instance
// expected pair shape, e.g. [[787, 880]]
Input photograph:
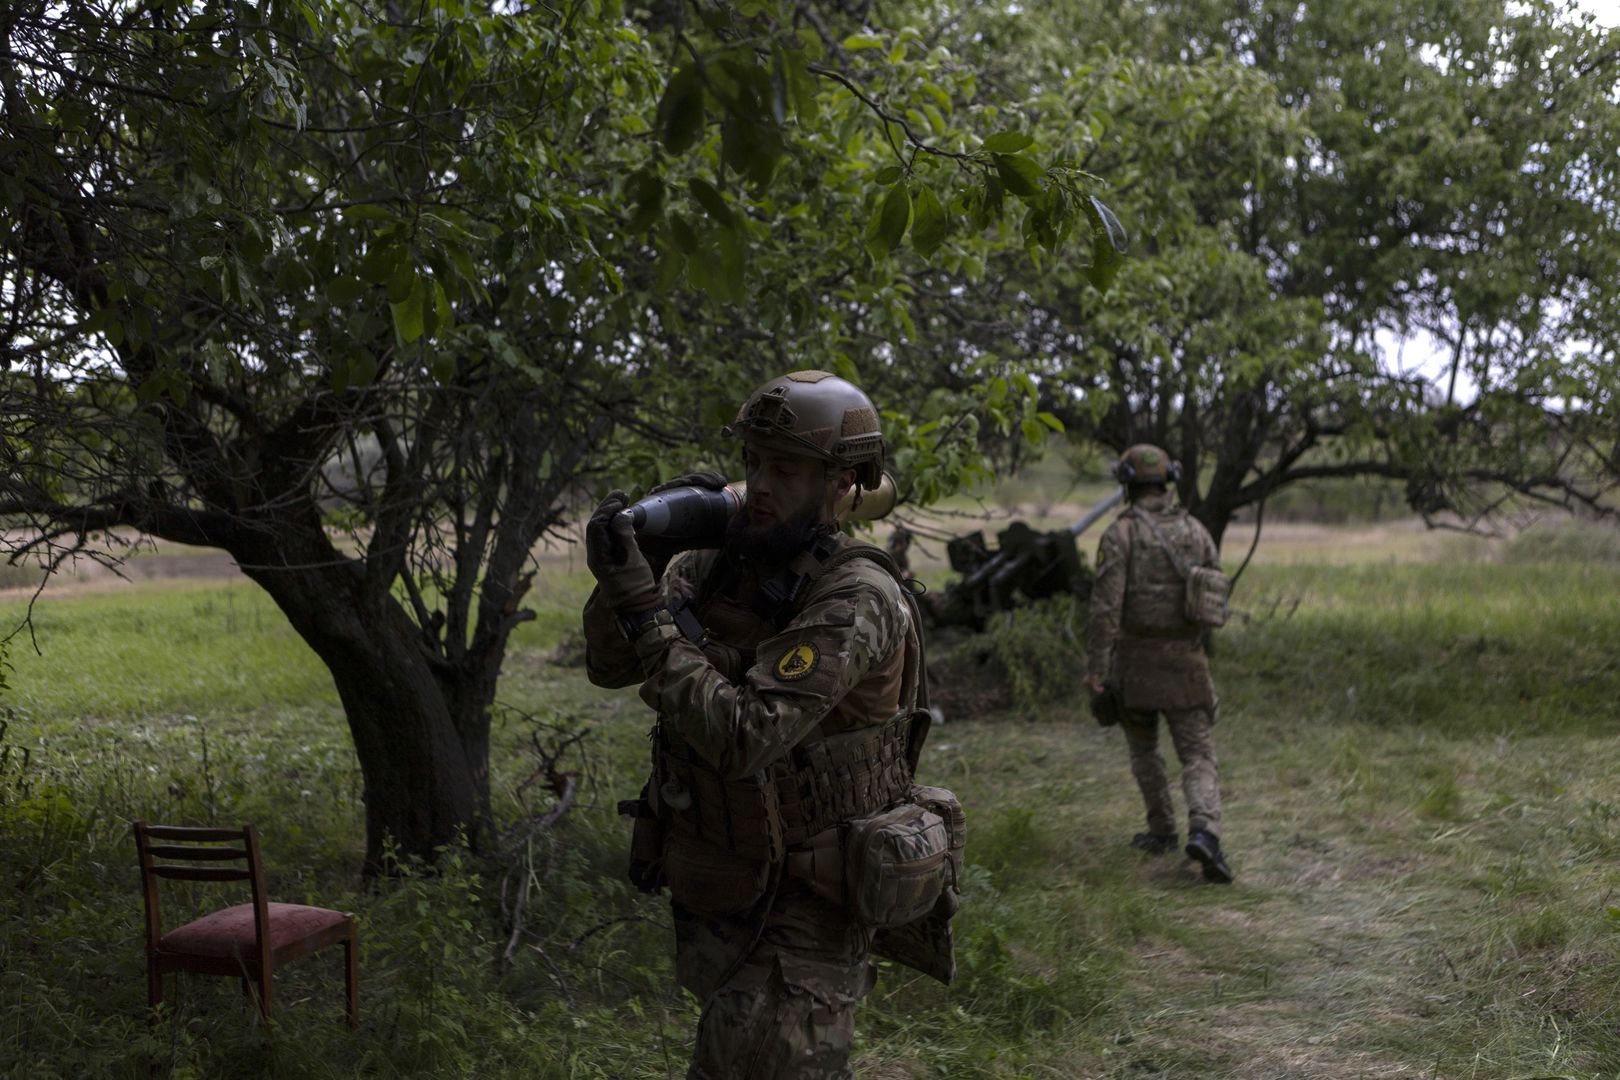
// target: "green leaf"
[[779, 85], [751, 148], [682, 234], [401, 281], [378, 264], [712, 201], [1050, 421], [446, 314], [1007, 142], [803, 86], [888, 225], [1021, 175], [366, 212], [929, 224], [857, 42], [990, 206], [410, 313], [344, 290], [646, 192], [680, 110], [1108, 241], [668, 269], [888, 175]]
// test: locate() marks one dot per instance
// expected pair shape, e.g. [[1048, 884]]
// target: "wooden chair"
[[249, 940]]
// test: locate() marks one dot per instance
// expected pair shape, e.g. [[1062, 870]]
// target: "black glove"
[[622, 572], [708, 479]]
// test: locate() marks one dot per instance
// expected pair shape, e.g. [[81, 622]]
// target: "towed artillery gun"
[[1026, 565]]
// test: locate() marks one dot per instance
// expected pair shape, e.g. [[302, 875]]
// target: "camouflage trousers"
[[1192, 732], [788, 1010]]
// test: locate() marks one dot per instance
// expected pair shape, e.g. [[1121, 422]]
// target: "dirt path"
[[1363, 938]]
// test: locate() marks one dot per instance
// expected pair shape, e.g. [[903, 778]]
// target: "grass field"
[[1419, 754]]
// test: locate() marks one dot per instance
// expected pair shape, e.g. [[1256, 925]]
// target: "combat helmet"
[[817, 414], [1145, 463]]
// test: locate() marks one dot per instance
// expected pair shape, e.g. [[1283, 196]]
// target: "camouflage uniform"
[[1140, 641], [778, 985]]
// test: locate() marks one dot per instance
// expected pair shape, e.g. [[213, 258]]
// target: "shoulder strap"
[[916, 674], [1169, 549], [917, 670]]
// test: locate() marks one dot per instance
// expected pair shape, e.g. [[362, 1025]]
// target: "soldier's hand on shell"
[[708, 479], [602, 553], [661, 549], [622, 571]]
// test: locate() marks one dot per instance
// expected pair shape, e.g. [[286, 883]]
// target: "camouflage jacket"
[[837, 665], [1138, 637]]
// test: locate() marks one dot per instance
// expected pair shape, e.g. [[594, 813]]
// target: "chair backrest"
[[174, 844]]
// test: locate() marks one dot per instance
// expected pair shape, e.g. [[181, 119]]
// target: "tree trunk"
[[425, 768]]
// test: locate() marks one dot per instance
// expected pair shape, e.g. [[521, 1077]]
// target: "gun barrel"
[[1096, 512]]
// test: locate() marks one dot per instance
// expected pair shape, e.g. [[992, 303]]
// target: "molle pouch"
[[944, 803], [1207, 593], [712, 881], [721, 836], [896, 864], [646, 843], [1107, 708]]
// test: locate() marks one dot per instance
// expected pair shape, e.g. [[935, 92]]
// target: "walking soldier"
[[1158, 588]]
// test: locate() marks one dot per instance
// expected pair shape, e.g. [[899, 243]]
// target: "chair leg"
[[154, 990], [256, 992], [351, 977]]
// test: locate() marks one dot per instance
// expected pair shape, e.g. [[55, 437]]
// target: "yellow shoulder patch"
[[798, 662]]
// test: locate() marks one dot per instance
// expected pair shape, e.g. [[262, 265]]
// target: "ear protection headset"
[[1125, 471]]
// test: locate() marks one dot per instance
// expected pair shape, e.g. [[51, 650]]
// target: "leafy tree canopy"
[[1308, 186], [419, 272]]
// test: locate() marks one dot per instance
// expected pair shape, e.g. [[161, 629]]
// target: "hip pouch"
[[889, 868], [646, 869], [721, 837], [711, 881], [1207, 592]]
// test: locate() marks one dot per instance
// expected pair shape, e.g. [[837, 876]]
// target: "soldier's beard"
[[775, 544]]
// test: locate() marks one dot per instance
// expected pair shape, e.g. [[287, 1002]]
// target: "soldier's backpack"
[[1208, 589]]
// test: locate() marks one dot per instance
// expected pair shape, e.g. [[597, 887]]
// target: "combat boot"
[[1155, 843], [1206, 849]]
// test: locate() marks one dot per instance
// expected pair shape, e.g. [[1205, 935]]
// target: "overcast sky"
[[1607, 11], [1421, 351]]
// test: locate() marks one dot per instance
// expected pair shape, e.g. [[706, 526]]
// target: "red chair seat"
[[228, 942], [229, 931]]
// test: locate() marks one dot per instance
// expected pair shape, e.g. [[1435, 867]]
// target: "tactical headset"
[[1125, 469]]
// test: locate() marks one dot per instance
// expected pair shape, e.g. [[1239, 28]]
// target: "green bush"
[[1040, 650]]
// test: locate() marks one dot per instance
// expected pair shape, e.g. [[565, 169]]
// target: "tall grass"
[[1418, 767]]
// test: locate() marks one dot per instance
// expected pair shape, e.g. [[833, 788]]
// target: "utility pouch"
[[1207, 593], [889, 868], [712, 881], [1206, 588], [1107, 708], [646, 843], [896, 863]]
